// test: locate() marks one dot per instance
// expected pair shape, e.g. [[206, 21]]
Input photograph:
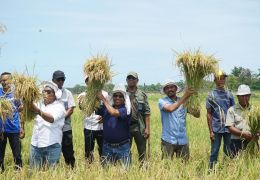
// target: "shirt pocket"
[[238, 122], [141, 106]]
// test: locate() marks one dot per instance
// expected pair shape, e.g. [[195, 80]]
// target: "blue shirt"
[[11, 125], [115, 129], [173, 123], [219, 102]]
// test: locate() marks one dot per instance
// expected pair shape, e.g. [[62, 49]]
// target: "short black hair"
[[6, 73]]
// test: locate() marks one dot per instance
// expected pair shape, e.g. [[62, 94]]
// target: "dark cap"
[[58, 74]]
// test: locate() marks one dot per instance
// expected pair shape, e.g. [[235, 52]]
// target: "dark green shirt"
[[139, 109]]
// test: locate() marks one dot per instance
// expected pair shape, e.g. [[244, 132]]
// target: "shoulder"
[[68, 92], [141, 93], [81, 94]]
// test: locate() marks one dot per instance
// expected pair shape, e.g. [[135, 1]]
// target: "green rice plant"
[[97, 69], [195, 66], [28, 91], [253, 118]]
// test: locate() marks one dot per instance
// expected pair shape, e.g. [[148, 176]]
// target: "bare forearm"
[[46, 116], [69, 112], [112, 111], [147, 121], [209, 120]]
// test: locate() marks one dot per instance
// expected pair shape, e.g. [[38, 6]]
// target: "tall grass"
[[196, 168]]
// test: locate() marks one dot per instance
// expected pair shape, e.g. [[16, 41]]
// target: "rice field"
[[196, 168]]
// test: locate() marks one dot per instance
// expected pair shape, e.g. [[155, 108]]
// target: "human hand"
[[146, 133], [22, 133], [212, 136]]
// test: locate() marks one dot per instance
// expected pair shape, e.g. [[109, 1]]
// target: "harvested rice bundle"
[[195, 66], [6, 109], [97, 69], [254, 125], [27, 90]]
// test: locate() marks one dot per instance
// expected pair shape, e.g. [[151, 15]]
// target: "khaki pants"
[[169, 149]]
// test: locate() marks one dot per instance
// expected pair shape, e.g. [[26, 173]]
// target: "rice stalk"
[[253, 119], [98, 70], [195, 66], [27, 90]]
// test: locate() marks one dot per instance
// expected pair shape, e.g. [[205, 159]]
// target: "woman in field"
[[47, 130]]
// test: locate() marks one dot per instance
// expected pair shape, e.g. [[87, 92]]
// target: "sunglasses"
[[47, 91], [118, 95], [131, 78], [60, 79]]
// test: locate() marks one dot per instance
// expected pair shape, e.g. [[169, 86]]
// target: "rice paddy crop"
[[97, 68], [27, 90], [195, 66], [254, 125]]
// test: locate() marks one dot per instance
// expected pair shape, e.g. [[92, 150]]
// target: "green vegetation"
[[196, 168]]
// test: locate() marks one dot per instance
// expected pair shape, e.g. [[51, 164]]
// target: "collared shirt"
[[91, 122], [139, 109], [173, 123], [68, 102], [11, 125], [236, 118], [219, 102], [115, 129], [45, 133]]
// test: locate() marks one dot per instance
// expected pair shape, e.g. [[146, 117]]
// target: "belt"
[[117, 144]]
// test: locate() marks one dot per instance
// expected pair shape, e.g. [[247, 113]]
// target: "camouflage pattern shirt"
[[139, 109]]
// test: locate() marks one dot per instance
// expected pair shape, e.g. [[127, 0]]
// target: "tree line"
[[239, 75]]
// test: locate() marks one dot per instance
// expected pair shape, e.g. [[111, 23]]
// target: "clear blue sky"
[[138, 35]]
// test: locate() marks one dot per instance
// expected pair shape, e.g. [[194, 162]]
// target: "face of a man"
[[118, 99], [59, 82], [131, 81], [48, 95], [244, 100], [220, 81], [5, 81], [170, 90]]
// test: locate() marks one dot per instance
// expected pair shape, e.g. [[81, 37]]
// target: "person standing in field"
[[10, 127], [58, 78], [217, 103], [93, 129], [236, 122], [116, 124], [47, 131], [173, 116], [140, 115]]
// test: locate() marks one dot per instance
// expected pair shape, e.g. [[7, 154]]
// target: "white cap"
[[58, 92], [243, 90], [170, 82]]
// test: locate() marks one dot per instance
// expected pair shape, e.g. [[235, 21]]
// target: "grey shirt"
[[68, 101]]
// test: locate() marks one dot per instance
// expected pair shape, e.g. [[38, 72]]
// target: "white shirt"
[[91, 122], [45, 133], [68, 102]]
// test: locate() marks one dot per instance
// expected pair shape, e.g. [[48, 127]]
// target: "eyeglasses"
[[118, 95], [60, 79], [47, 91]]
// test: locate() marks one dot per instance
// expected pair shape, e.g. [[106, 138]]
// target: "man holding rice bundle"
[[116, 122], [58, 78], [173, 117], [217, 103], [93, 129], [10, 127], [140, 115], [237, 123]]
